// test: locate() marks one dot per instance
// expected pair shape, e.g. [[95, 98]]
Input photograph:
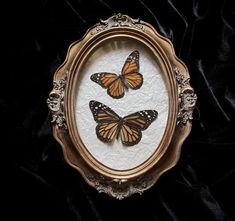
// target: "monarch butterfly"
[[128, 128], [129, 78]]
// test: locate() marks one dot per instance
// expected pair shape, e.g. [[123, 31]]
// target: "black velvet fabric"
[[39, 183]]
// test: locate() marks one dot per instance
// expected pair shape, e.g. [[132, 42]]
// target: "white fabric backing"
[[153, 95]]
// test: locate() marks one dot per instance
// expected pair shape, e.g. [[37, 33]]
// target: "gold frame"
[[182, 99]]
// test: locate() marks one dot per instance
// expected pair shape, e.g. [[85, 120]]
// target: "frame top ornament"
[[118, 20]]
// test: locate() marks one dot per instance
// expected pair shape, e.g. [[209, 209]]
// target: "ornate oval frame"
[[61, 102]]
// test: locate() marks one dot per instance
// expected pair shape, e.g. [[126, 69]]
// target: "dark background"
[[41, 186]]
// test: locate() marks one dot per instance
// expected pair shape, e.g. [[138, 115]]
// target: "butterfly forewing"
[[132, 63], [141, 119], [102, 113], [104, 79]]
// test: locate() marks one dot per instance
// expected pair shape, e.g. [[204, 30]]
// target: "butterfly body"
[[128, 128], [122, 79], [117, 84]]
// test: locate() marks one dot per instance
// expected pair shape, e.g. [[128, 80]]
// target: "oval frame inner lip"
[[171, 85]]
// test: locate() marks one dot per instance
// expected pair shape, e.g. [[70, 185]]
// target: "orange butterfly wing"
[[131, 64], [104, 79], [107, 119], [129, 135], [111, 81], [130, 71], [133, 125], [116, 89], [134, 80]]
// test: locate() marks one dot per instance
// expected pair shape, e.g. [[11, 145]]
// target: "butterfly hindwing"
[[130, 135], [116, 89], [106, 132], [133, 80]]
